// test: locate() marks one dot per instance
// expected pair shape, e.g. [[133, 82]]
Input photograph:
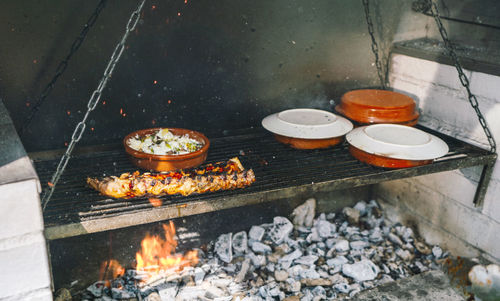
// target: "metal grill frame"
[[281, 172]]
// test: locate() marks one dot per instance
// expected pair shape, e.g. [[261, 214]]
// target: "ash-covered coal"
[[328, 257]]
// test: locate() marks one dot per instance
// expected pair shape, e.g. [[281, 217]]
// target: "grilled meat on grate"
[[211, 177]]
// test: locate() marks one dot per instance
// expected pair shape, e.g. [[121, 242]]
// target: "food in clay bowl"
[[165, 149]]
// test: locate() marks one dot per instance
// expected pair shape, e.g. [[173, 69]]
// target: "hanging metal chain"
[[92, 103], [374, 44], [63, 65], [461, 75]]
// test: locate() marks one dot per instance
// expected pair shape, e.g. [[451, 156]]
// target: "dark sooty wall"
[[203, 65]]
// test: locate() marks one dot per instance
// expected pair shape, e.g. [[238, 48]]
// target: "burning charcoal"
[[154, 296], [395, 239], [304, 214], [167, 291], [343, 288], [309, 274], [341, 246], [362, 207], [257, 260], [189, 293], [244, 270], [256, 233], [223, 247], [240, 243], [259, 247], [276, 292], [281, 275], [361, 271], [358, 245], [337, 263], [214, 292], [221, 282], [287, 260], [352, 215], [96, 288], [282, 227], [271, 267], [404, 254], [307, 260], [121, 294], [320, 292], [355, 288], [330, 242], [199, 275], [316, 282], [437, 252], [325, 229]]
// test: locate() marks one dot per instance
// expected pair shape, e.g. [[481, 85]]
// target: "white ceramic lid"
[[307, 124], [397, 142]]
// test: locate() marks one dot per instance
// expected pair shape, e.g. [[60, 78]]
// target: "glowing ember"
[[155, 202], [157, 254]]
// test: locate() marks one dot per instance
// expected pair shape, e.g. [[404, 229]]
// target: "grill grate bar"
[[277, 167]]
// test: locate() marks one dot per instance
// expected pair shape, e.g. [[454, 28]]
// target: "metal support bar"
[[482, 185]]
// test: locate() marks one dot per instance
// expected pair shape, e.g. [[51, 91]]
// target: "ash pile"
[[328, 257]]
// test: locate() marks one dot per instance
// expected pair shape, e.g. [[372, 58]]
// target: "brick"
[[491, 206], [447, 182], [20, 210], [24, 269], [37, 295]]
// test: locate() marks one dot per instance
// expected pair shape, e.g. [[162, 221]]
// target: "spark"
[[68, 112], [179, 14], [35, 61], [155, 82], [153, 7], [50, 184], [169, 101]]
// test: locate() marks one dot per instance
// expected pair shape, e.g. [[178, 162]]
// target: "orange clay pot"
[[382, 161], [168, 162], [369, 106], [301, 143]]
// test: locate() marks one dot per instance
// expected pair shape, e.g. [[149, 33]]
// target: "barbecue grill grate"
[[77, 209]]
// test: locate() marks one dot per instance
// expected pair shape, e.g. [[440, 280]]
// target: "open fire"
[[307, 257], [157, 256]]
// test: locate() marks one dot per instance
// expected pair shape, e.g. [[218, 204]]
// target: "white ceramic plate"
[[397, 142], [307, 124]]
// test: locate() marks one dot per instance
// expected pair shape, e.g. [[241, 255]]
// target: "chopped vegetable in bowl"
[[164, 142]]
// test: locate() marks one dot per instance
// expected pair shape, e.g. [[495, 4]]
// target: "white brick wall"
[[23, 252], [443, 202]]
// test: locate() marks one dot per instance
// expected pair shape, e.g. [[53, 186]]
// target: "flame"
[[110, 269], [158, 253]]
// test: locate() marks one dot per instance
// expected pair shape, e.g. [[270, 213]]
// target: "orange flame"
[[158, 253], [110, 269]]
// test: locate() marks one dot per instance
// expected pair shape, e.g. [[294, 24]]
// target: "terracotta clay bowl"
[[382, 161], [167, 162], [301, 143], [370, 106]]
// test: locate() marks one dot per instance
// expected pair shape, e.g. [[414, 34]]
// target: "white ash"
[[330, 257]]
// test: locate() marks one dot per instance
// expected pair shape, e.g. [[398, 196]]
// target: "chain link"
[[63, 65], [92, 103], [378, 64], [461, 75]]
